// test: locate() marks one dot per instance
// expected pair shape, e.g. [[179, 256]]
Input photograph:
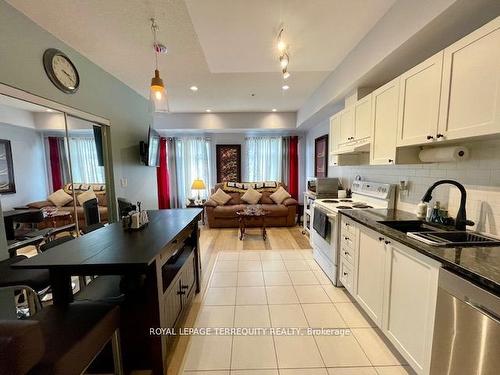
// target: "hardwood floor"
[[213, 241]]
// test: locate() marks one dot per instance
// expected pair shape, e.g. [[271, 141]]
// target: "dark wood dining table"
[[114, 251]]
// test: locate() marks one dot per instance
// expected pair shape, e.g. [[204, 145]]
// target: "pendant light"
[[157, 91]]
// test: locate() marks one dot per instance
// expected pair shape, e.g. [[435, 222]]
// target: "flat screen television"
[[150, 152]]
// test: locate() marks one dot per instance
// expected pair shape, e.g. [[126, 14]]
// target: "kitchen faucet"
[[461, 220]]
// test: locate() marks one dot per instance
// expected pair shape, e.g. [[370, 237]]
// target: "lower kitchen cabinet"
[[397, 287], [410, 303], [371, 259]]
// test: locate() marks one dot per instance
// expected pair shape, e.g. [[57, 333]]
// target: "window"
[[192, 162], [263, 158], [84, 162]]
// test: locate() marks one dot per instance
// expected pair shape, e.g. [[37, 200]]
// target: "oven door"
[[324, 233]]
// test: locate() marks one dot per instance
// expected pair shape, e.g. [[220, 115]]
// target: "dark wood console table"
[[166, 252]]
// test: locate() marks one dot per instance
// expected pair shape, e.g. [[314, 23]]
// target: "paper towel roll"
[[444, 154]]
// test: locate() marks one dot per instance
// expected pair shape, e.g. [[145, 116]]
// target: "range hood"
[[357, 147]]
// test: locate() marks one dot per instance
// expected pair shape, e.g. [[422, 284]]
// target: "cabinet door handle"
[[347, 224], [346, 253], [440, 136], [387, 242], [184, 286], [347, 238], [345, 274], [391, 161], [429, 137], [181, 292], [381, 239]]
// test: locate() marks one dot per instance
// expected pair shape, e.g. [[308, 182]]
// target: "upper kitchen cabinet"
[[346, 126], [470, 100], [362, 118], [334, 139], [419, 96], [384, 123]]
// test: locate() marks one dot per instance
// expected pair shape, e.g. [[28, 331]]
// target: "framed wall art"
[[321, 156], [228, 159], [7, 184]]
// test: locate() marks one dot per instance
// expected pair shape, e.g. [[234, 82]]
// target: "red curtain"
[[293, 188], [55, 163], [162, 177]]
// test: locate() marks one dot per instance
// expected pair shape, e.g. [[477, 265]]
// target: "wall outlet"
[[123, 182]]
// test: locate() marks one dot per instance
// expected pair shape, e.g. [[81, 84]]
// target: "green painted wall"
[[22, 43]]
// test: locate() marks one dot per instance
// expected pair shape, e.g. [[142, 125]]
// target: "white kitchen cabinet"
[[362, 118], [470, 100], [410, 302], [419, 96], [385, 123], [334, 139], [346, 275], [370, 273], [346, 126]]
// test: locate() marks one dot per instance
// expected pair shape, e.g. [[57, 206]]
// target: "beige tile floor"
[[284, 289]]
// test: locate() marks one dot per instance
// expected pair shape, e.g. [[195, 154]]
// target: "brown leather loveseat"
[[224, 216]]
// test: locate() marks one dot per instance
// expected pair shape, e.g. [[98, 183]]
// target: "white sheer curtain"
[[84, 163], [192, 162], [263, 158]]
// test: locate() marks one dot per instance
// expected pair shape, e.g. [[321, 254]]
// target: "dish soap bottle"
[[435, 215], [422, 210]]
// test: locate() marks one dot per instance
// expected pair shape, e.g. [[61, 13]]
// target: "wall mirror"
[[54, 168]]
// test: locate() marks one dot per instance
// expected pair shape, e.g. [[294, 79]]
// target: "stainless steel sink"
[[440, 236], [454, 238], [407, 226]]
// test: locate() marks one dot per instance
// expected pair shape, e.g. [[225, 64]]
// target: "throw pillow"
[[251, 196], [86, 196], [220, 197], [279, 195], [60, 198]]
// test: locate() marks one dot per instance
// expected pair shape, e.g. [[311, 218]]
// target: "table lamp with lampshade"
[[198, 184]]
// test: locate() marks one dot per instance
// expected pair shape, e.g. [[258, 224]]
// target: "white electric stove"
[[325, 243]]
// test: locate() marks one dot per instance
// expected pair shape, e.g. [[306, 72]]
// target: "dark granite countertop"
[[480, 265]]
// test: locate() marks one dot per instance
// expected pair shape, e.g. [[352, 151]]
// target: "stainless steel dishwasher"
[[466, 330]]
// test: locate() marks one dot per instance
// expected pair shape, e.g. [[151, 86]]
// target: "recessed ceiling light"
[[285, 87], [208, 110], [193, 88], [49, 110], [274, 109]]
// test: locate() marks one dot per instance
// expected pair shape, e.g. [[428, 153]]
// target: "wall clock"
[[61, 71]]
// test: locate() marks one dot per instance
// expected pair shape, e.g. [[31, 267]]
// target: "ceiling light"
[[284, 61], [286, 74], [281, 43], [274, 109], [193, 88], [208, 110], [157, 91], [49, 110], [285, 87]]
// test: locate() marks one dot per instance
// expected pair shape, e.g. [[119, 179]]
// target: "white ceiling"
[[225, 47]]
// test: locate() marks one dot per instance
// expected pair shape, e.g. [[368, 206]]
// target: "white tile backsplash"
[[480, 175]]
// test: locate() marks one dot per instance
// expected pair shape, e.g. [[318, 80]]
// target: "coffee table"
[[254, 215], [55, 219]]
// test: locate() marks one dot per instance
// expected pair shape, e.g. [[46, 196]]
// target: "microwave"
[[323, 187]]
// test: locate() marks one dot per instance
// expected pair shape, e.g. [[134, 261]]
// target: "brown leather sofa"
[[102, 201], [280, 215]]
